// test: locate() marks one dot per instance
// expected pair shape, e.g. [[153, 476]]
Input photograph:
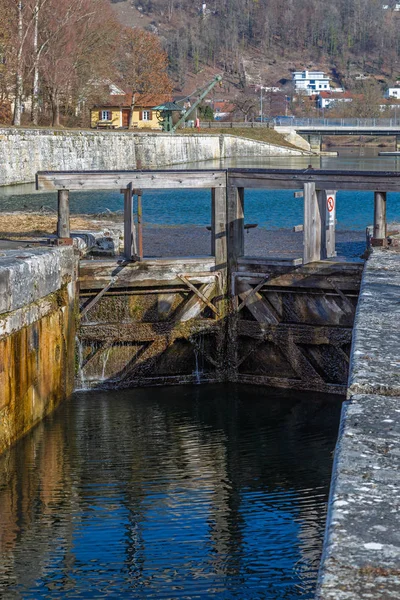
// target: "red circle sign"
[[331, 203]]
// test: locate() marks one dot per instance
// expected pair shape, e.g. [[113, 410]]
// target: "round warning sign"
[[330, 203]]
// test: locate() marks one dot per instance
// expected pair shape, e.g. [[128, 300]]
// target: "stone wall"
[[37, 336], [23, 152], [361, 556]]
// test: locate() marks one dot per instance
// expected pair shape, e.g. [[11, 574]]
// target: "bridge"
[[313, 130]]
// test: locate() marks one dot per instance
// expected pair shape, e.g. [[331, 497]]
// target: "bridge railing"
[[303, 122]]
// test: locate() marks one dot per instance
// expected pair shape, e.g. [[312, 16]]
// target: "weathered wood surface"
[[96, 180], [144, 332], [300, 333], [239, 178], [148, 273], [63, 228], [130, 245], [346, 276], [323, 179], [293, 331], [379, 215], [312, 246], [293, 384]]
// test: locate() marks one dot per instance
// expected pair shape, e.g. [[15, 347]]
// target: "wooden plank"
[[96, 274], [94, 180], [300, 333], [63, 226], [346, 300], [328, 180], [203, 297], [256, 304], [144, 332], [349, 281], [252, 293], [95, 300], [195, 305], [293, 384], [277, 261]]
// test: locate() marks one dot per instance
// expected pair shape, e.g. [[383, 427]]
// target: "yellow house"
[[116, 112]]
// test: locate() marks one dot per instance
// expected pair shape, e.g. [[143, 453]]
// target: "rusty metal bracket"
[[95, 300], [202, 297]]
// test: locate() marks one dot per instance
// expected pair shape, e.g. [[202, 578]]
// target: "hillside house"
[[115, 112], [310, 82], [393, 92], [328, 99], [222, 109]]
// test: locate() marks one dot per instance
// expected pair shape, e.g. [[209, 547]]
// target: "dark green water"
[[190, 492]]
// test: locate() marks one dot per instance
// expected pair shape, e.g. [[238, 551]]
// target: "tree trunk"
[[19, 82], [55, 109], [35, 87]]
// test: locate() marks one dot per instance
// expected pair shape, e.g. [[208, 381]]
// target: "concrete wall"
[[361, 557], [37, 336], [23, 152]]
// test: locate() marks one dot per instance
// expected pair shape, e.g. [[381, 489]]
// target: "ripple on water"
[[190, 492]]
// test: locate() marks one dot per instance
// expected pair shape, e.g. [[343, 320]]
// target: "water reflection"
[[216, 491]]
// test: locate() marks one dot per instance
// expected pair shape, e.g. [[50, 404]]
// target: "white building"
[[328, 99], [393, 92], [311, 82]]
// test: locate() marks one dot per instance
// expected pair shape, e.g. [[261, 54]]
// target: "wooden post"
[[235, 222], [63, 227], [379, 216], [218, 229], [140, 224], [129, 225], [212, 221], [312, 225]]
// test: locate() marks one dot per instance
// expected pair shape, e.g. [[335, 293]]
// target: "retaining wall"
[[37, 336], [23, 152], [361, 556]]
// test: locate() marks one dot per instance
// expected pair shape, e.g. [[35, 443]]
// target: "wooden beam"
[[256, 304], [95, 300], [140, 224], [324, 179], [235, 225], [130, 249], [63, 226], [196, 291], [312, 225], [252, 293], [95, 180], [145, 332], [379, 216]]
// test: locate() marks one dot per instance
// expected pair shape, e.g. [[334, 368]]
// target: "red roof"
[[336, 95], [141, 100]]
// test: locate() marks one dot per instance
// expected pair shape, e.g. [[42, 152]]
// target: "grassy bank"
[[260, 134]]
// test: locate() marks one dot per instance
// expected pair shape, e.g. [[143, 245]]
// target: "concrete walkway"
[[361, 556]]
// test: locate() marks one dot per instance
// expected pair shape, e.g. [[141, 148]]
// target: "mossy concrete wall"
[[37, 336], [23, 152]]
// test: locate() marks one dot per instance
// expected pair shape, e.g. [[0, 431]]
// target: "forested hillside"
[[264, 39]]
